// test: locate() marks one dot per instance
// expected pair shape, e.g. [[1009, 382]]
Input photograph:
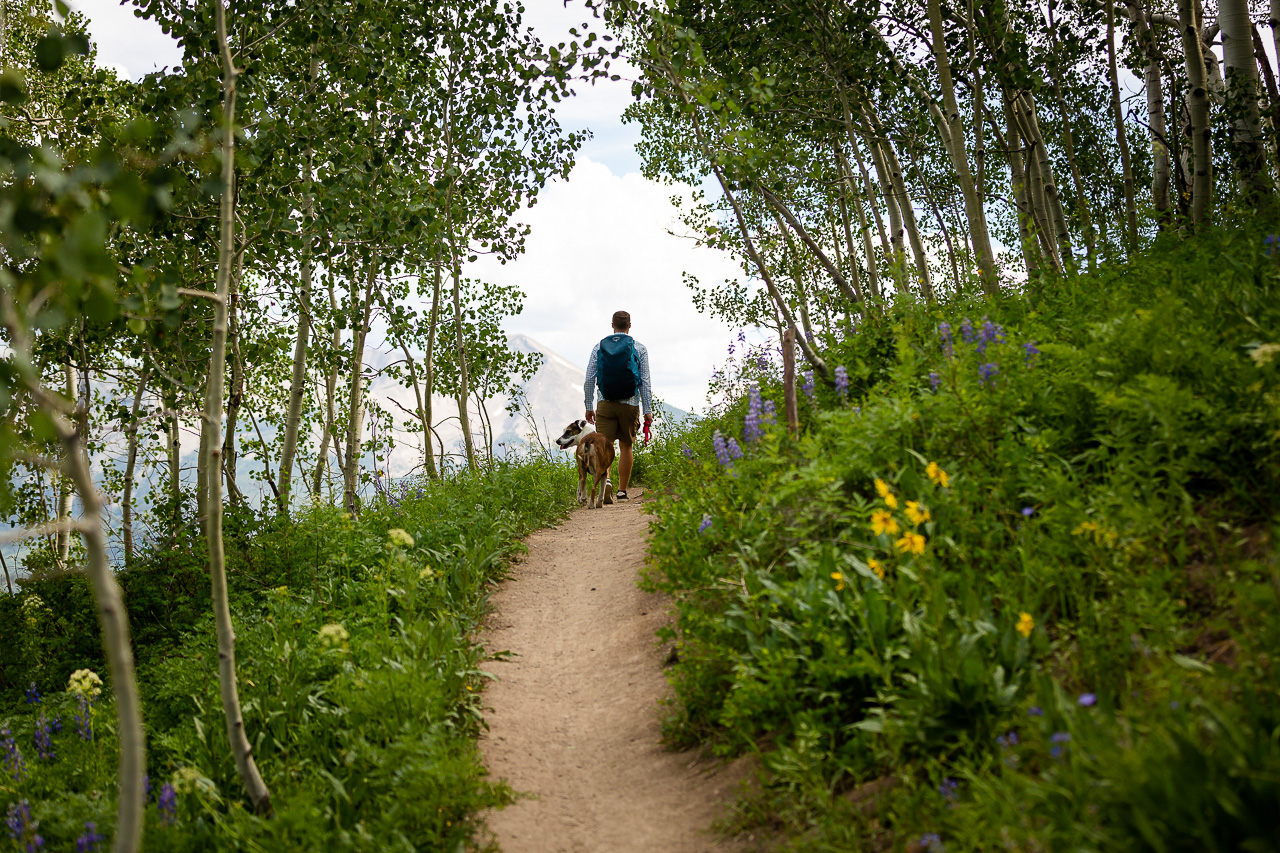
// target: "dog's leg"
[[582, 485]]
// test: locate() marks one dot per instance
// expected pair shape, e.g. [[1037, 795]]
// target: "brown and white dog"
[[594, 454]]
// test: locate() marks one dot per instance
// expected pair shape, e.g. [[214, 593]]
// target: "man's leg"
[[624, 465]]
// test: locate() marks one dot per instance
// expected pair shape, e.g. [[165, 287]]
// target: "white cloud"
[[599, 244], [132, 46]]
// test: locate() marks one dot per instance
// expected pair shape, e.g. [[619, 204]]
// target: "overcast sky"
[[599, 241]]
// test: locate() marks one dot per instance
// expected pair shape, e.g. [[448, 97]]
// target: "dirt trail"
[[573, 715]]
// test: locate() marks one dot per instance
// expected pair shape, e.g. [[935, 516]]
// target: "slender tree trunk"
[[805, 237], [66, 496], [331, 390], [1189, 17], [1122, 137], [870, 192], [355, 405], [429, 365], [851, 195], [974, 213], [236, 397], [897, 233], [174, 453], [1021, 193], [1273, 94], [113, 620], [257, 790], [905, 208], [1242, 90], [1057, 216], [297, 384], [1073, 162], [126, 500]]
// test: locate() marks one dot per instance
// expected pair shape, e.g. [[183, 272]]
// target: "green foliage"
[[359, 674], [1073, 652]]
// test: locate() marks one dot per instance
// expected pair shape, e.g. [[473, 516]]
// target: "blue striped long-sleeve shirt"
[[646, 384]]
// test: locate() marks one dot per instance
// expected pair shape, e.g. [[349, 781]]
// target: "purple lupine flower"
[[167, 803], [966, 331], [987, 372], [1059, 741], [22, 827], [931, 842], [33, 695], [91, 841], [84, 719], [1270, 240], [722, 450], [11, 756], [949, 789], [735, 452], [1035, 711], [43, 736], [762, 362], [1029, 351], [1087, 700], [730, 347], [944, 332], [992, 333], [1028, 510], [687, 451], [751, 424], [934, 380], [842, 382], [706, 522], [770, 413], [1007, 740], [807, 385]]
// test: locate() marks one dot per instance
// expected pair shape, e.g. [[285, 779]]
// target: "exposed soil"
[[573, 714]]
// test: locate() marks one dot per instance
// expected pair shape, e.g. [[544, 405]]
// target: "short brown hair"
[[621, 320]]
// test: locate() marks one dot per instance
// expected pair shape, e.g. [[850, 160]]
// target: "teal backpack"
[[618, 368]]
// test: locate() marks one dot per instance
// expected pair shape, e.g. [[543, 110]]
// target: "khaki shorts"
[[617, 421]]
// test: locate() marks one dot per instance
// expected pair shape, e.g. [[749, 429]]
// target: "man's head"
[[621, 321]]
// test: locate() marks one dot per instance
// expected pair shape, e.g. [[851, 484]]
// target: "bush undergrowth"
[[358, 669], [1013, 585]]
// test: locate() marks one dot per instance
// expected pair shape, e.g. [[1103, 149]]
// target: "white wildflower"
[[396, 536], [333, 634], [85, 682]]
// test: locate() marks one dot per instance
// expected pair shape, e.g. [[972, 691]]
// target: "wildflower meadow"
[[1012, 585]]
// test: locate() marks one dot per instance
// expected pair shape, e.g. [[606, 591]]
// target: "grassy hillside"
[[359, 678], [1016, 586]]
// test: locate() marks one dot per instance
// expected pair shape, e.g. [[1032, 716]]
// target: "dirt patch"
[[573, 715]]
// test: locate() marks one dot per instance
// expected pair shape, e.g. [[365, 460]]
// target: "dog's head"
[[573, 433]]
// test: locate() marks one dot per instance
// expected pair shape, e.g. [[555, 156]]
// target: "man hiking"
[[619, 364]]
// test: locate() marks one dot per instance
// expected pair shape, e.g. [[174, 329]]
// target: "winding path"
[[573, 714]]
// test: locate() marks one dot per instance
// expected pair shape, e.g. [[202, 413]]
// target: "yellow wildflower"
[[916, 513], [883, 522], [839, 579], [874, 565], [396, 536], [1025, 624], [937, 475], [890, 501], [882, 488], [85, 682], [911, 543], [426, 573]]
